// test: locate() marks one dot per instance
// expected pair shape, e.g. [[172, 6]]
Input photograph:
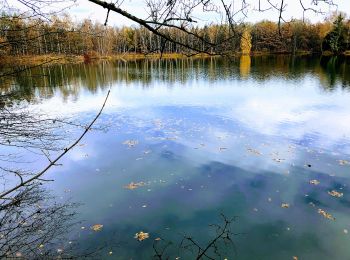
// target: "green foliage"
[[335, 41]]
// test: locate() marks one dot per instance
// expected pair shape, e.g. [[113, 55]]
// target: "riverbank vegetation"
[[23, 39]]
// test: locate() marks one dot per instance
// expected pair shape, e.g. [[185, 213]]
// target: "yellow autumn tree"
[[246, 41]]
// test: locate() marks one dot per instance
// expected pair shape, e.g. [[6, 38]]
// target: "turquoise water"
[[201, 138]]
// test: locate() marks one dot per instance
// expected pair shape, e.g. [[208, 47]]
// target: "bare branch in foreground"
[[53, 162]]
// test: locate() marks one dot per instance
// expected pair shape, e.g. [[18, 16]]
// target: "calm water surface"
[[239, 137]]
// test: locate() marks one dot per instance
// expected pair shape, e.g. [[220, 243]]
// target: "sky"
[[83, 9]]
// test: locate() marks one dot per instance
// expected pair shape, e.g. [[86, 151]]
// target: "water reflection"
[[244, 66], [243, 137], [43, 81]]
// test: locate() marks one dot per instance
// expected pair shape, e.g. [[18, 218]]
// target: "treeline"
[[28, 36]]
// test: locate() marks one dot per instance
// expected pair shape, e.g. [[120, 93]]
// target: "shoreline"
[[51, 59]]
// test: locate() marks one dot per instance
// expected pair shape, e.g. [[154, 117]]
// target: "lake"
[[262, 142]]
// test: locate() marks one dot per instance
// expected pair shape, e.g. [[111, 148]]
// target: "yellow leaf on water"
[[334, 193], [132, 185], [285, 205], [325, 214], [97, 227], [141, 236]]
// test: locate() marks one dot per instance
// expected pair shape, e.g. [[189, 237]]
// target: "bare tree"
[[35, 226], [181, 16]]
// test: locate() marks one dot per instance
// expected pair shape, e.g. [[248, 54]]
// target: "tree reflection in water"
[[34, 226]]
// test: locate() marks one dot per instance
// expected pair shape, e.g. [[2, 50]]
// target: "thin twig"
[[53, 162]]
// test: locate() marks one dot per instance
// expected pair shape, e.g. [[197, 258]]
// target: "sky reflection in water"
[[212, 137]]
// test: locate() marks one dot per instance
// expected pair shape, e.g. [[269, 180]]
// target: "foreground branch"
[[53, 162]]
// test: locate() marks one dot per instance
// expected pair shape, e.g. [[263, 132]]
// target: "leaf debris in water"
[[253, 151], [132, 185], [97, 227], [344, 162], [131, 143], [141, 236], [314, 182], [285, 205], [334, 193], [325, 214]]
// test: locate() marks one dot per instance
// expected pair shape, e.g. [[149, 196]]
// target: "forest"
[[62, 35]]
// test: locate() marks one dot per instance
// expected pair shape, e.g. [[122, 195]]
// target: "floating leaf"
[[325, 214], [132, 185], [141, 236], [285, 205], [344, 162], [278, 160], [314, 182], [334, 193], [131, 143], [97, 227], [253, 151]]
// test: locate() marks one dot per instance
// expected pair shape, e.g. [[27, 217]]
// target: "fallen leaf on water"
[[253, 151], [131, 143], [334, 193], [132, 185], [343, 162], [97, 227], [325, 214], [141, 236], [314, 182], [278, 160], [285, 205], [158, 239]]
